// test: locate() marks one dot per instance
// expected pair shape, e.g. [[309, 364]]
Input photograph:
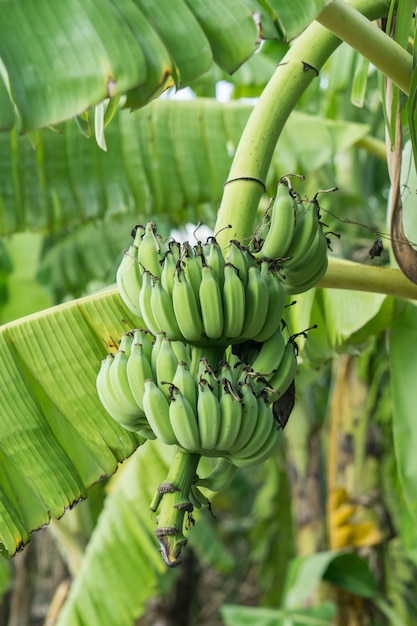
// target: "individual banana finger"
[[163, 311], [151, 250], [249, 416], [156, 407], [281, 227], [307, 223], [129, 280], [183, 421], [186, 308], [265, 429], [233, 303], [230, 416], [185, 382], [285, 373], [269, 356], [208, 415], [138, 370], [276, 302], [211, 304], [256, 303]]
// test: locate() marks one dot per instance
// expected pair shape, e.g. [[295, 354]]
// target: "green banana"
[[276, 302], [256, 303], [307, 223], [219, 477], [182, 351], [183, 421], [151, 250], [233, 303], [185, 382], [141, 335], [249, 416], [241, 259], [215, 259], [129, 280], [313, 264], [186, 308], [110, 402], [156, 407], [120, 385], [166, 366], [157, 345], [285, 373], [138, 370], [211, 304], [281, 227], [310, 281], [269, 447], [145, 302], [163, 311], [265, 425], [230, 416], [208, 414], [171, 258], [269, 356], [191, 265]]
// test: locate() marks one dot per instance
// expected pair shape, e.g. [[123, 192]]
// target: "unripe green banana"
[[185, 382], [182, 351], [110, 401], [208, 415], [249, 416], [191, 265], [163, 311], [233, 303], [166, 366], [120, 385], [256, 303], [157, 345], [171, 259], [129, 280], [183, 421], [211, 304], [225, 372], [140, 335], [307, 223], [269, 447], [265, 424], [285, 373], [220, 476], [230, 417], [269, 356], [138, 370], [281, 227], [186, 309], [215, 259], [145, 303], [241, 259], [276, 303], [151, 250], [310, 269], [156, 408]]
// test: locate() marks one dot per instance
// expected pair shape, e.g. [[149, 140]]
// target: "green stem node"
[[175, 507]]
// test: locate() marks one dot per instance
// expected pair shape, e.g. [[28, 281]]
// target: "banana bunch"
[[161, 389], [295, 238], [195, 295]]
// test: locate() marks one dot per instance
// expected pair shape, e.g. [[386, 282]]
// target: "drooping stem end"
[[175, 507]]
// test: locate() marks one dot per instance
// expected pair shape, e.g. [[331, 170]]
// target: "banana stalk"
[[175, 507]]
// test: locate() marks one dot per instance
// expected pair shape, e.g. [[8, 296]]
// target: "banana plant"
[[75, 440]]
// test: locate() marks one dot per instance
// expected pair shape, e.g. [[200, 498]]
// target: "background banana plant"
[[78, 170]]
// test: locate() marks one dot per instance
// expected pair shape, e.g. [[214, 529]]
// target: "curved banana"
[[163, 311], [307, 223], [214, 258], [145, 302], [211, 304], [156, 408], [265, 426], [186, 308], [157, 345], [285, 373], [120, 386], [138, 370], [151, 250], [241, 259], [276, 302], [269, 356], [129, 280], [269, 447], [185, 382], [208, 415], [310, 269], [191, 265], [233, 303], [110, 401], [182, 351], [256, 303], [230, 417], [166, 366], [141, 335], [220, 476], [183, 421], [249, 416], [281, 227], [171, 258]]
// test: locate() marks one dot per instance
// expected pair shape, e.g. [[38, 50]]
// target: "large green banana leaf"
[[59, 58], [168, 158], [56, 438]]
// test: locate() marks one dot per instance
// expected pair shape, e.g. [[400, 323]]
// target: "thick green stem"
[[371, 42], [342, 274], [246, 183], [173, 500]]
